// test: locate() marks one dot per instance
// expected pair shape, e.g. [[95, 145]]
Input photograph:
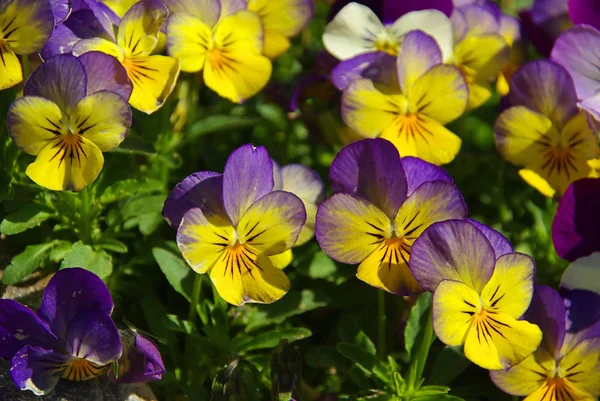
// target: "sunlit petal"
[[188, 39]]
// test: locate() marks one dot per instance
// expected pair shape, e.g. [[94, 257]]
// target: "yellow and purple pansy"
[[381, 205], [566, 366], [481, 288], [72, 110], [132, 40], [543, 131], [223, 40], [25, 27], [408, 102], [228, 225]]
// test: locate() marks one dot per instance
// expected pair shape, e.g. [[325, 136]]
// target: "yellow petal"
[[421, 136], [498, 341], [97, 44], [139, 27], [479, 93], [188, 38], [532, 178], [103, 118], [441, 94], [242, 275], [287, 17], [275, 44], [454, 304], [67, 163], [387, 269], [26, 25], [526, 377], [581, 366], [10, 68], [33, 122], [369, 109], [510, 288], [308, 231], [120, 7], [548, 392], [485, 55], [153, 79], [236, 68], [282, 260]]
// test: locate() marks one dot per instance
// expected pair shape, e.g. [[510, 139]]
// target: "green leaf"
[[350, 332], [135, 145], [28, 216], [180, 325], [367, 361], [450, 363], [321, 266], [437, 397], [84, 256], [177, 272], [26, 262], [114, 245], [144, 212], [219, 123], [129, 187], [270, 339], [59, 251], [274, 114], [431, 390], [416, 323]]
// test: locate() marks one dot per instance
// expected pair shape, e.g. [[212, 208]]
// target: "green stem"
[[85, 232], [26, 66], [192, 313], [381, 320], [424, 350]]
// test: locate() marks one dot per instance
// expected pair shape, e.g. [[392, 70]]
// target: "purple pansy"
[[567, 362], [141, 361], [577, 50], [544, 22], [381, 205], [235, 225], [71, 336], [585, 12]]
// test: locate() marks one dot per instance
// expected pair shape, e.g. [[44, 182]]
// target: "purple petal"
[[479, 20], [576, 225], [208, 11], [394, 9], [501, 245], [377, 66], [62, 41], [419, 53], [105, 72], [60, 10], [19, 326], [248, 176], [452, 250], [61, 79], [203, 189], [144, 363], [547, 310], [541, 36], [371, 169], [303, 182], [37, 369], [585, 12], [544, 10], [583, 309], [592, 106], [547, 88], [105, 16], [418, 172], [578, 50], [92, 335], [70, 292]]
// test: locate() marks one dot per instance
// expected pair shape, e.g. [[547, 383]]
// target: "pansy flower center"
[[80, 369], [387, 45]]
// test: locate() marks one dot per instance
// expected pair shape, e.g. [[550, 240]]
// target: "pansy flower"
[[389, 11], [153, 75], [281, 20], [357, 30], [565, 367], [574, 51], [140, 362], [73, 109], [543, 130], [25, 26], [381, 205], [71, 336], [411, 112], [229, 224], [224, 41], [119, 7], [544, 22], [480, 50], [481, 288]]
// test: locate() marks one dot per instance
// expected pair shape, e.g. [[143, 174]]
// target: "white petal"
[[353, 31], [432, 22]]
